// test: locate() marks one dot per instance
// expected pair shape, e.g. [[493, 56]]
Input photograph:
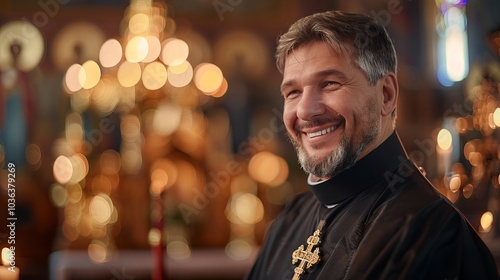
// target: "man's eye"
[[331, 83], [291, 93]]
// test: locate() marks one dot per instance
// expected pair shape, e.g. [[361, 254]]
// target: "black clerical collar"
[[372, 168]]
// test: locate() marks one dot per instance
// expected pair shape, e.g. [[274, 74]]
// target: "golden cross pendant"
[[307, 257]]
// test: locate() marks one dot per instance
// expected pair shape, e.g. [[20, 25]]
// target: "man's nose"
[[311, 104]]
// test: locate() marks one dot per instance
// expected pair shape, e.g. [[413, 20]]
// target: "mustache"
[[321, 120]]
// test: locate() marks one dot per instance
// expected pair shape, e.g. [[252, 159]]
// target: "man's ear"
[[390, 91]]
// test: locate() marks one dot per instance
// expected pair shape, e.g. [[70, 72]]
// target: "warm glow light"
[[457, 65], [248, 208], [63, 169], [6, 256], [208, 77], [98, 251], [496, 117], [58, 195], [455, 183], [105, 96], [72, 78], [444, 139], [110, 162], [222, 90], [92, 74], [154, 237], [461, 125], [111, 53], [130, 128], [137, 49], [138, 23], [131, 158], [154, 49], [475, 158], [154, 76], [467, 190], [167, 118], [74, 194], [469, 147], [80, 167], [80, 101], [164, 172], [159, 180], [178, 249], [100, 209], [486, 221], [180, 75], [238, 249], [174, 52], [267, 168], [129, 74]]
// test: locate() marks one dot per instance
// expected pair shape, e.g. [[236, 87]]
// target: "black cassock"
[[388, 223]]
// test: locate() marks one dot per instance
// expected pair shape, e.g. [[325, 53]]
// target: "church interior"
[[143, 139]]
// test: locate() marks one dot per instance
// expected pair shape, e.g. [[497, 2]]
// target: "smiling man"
[[370, 213]]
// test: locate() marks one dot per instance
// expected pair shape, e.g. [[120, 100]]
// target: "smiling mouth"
[[321, 132]]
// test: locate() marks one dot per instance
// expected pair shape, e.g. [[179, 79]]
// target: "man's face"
[[331, 112]]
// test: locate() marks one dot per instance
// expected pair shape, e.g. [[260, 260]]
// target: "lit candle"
[[7, 271]]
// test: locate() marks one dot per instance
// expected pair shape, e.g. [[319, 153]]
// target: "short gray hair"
[[360, 36]]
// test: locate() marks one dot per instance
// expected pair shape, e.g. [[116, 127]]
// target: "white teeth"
[[321, 132]]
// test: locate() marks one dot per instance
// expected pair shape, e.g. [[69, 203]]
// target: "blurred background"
[[143, 139]]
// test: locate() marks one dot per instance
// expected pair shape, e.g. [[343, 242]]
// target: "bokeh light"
[[72, 78], [154, 76], [496, 117], [208, 77], [468, 190], [80, 166], [154, 49], [167, 118], [174, 51], [455, 183], [239, 249], [97, 251], [221, 91], [138, 23], [246, 208], [137, 49], [444, 139], [100, 209], [486, 221], [6, 256], [110, 162], [268, 168], [129, 74], [154, 237], [105, 96], [58, 195], [63, 169], [92, 74], [180, 75], [111, 53], [178, 249], [74, 193]]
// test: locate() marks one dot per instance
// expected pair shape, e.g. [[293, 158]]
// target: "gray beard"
[[341, 158]]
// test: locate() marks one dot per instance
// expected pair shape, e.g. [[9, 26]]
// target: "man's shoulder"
[[410, 193]]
